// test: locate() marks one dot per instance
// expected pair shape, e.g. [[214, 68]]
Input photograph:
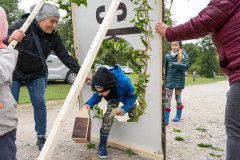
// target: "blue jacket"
[[125, 91], [175, 75]]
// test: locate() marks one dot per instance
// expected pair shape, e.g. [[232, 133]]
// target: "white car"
[[107, 66], [126, 69], [58, 71]]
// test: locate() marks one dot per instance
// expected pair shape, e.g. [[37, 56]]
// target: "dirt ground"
[[204, 107]]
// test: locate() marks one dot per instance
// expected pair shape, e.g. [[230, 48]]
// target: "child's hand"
[[170, 64], [88, 80], [120, 113], [87, 106]]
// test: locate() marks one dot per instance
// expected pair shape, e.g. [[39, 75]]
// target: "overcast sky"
[[182, 10]]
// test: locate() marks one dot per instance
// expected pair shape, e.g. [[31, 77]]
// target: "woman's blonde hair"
[[180, 56]]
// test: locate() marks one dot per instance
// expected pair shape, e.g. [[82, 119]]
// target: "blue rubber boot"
[[178, 115], [102, 151], [167, 114]]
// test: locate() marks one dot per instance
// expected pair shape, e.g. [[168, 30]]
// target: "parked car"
[[97, 66], [107, 66], [58, 71], [126, 69]]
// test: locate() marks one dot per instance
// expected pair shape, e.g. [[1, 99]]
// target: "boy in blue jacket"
[[115, 87]]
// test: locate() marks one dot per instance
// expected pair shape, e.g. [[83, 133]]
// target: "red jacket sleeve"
[[207, 21]]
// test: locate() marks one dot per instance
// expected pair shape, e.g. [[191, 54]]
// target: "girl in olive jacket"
[[176, 63]]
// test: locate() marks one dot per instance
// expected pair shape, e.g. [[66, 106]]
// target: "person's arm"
[[63, 54], [182, 66], [207, 21], [95, 99], [131, 98], [8, 60], [166, 66], [14, 32]]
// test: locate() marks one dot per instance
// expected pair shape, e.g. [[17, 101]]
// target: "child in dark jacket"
[[176, 63], [8, 106], [115, 87]]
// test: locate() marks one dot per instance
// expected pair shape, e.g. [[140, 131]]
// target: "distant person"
[[8, 106], [114, 86], [34, 47], [176, 63], [221, 18]]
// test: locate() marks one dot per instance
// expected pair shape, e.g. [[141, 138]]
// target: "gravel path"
[[203, 107]]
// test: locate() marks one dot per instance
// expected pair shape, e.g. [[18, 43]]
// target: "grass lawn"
[[54, 91], [202, 80], [59, 90]]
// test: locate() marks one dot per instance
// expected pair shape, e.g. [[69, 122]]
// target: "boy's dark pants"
[[8, 147], [107, 120]]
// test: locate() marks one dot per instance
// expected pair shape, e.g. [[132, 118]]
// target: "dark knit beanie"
[[103, 80], [45, 12]]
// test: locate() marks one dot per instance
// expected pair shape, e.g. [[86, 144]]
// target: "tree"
[[193, 51], [208, 58], [12, 11], [65, 30]]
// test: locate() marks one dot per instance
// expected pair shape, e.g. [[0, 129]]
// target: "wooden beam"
[[123, 146], [60, 121], [28, 22], [163, 126], [76, 47]]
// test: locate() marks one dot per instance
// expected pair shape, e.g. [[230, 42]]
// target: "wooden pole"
[[75, 40], [59, 123], [28, 22]]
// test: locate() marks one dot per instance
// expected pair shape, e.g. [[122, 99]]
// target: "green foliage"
[[99, 113], [214, 155], [176, 130], [193, 51], [201, 129], [178, 138], [208, 59], [129, 152], [66, 34], [28, 144], [90, 145], [12, 11], [209, 146]]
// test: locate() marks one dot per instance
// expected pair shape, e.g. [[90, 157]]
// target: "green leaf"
[[201, 129], [131, 20], [178, 138], [128, 152], [212, 154], [209, 146], [176, 130], [90, 145]]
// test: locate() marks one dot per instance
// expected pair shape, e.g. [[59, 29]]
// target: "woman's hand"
[[120, 113], [17, 35], [161, 28]]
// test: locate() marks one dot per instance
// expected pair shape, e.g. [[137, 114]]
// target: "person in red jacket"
[[221, 18]]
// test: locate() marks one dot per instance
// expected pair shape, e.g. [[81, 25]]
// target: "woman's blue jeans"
[[36, 89]]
